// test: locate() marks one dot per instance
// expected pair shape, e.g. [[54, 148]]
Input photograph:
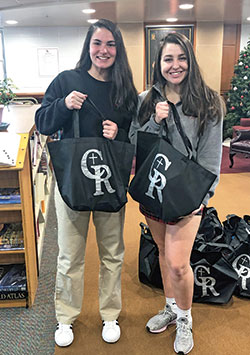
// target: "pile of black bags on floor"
[[220, 258]]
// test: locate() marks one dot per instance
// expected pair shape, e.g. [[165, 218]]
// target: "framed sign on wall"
[[48, 64], [154, 34]]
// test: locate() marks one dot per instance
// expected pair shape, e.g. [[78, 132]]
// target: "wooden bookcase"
[[34, 191], [41, 190]]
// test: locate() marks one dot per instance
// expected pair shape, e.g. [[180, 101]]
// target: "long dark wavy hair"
[[198, 100], [123, 93]]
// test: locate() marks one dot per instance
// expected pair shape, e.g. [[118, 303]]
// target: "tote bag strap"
[[76, 123], [183, 135], [177, 121], [96, 108]]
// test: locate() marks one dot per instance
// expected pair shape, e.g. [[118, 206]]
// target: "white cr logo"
[[157, 179], [242, 266], [202, 279], [102, 173]]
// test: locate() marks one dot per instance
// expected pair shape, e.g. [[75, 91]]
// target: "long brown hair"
[[123, 93], [198, 100]]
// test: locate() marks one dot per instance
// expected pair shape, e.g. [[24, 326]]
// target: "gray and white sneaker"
[[184, 337], [161, 321]]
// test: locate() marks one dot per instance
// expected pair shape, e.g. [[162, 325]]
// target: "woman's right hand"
[[75, 100], [161, 111]]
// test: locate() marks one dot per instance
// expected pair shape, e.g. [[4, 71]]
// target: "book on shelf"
[[13, 295], [35, 147], [43, 166], [13, 282], [9, 147], [9, 195], [11, 236]]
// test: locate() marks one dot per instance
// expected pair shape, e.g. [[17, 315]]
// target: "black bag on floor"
[[236, 230], [211, 229], [214, 277], [240, 260], [166, 182], [90, 173], [149, 268]]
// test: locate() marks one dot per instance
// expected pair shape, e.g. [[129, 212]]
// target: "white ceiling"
[[68, 13]]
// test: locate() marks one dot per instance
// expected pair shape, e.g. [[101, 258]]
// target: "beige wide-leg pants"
[[72, 237]]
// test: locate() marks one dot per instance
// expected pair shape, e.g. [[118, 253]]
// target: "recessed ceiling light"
[[92, 20], [186, 6], [172, 19], [11, 22], [248, 18], [88, 11]]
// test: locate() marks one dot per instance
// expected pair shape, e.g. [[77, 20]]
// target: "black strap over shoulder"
[[177, 121]]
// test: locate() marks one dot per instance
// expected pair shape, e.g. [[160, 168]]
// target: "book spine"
[[13, 295], [10, 199]]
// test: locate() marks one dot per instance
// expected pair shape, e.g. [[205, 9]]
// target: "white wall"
[[245, 36], [21, 46]]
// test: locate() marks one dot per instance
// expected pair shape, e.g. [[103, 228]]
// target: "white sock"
[[171, 302], [181, 313]]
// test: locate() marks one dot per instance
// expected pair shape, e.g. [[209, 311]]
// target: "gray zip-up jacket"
[[206, 148]]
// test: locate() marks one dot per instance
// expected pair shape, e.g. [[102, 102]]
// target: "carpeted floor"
[[31, 331], [218, 330], [241, 164]]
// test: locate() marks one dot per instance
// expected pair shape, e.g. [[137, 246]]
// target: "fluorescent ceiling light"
[[186, 6], [92, 20], [88, 11], [248, 18], [11, 22], [172, 19]]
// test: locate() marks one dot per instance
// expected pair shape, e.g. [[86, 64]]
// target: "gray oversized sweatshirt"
[[207, 148]]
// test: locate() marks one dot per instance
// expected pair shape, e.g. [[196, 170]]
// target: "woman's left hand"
[[110, 129]]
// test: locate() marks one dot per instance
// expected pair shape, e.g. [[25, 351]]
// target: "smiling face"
[[102, 51], [174, 64]]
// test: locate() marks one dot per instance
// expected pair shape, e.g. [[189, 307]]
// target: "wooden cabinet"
[[33, 181], [230, 54], [20, 177]]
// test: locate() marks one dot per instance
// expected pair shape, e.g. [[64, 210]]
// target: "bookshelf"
[[34, 182]]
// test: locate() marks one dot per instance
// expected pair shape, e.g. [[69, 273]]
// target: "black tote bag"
[[236, 230], [92, 173], [149, 267], [214, 277], [240, 261], [166, 182], [210, 229]]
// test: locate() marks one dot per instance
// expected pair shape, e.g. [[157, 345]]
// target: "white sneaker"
[[111, 331], [184, 341], [64, 335]]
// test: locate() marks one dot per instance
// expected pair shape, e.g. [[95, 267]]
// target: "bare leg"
[[158, 231], [179, 241]]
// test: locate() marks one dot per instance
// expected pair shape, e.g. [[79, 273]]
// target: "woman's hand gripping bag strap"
[[89, 171], [167, 182]]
